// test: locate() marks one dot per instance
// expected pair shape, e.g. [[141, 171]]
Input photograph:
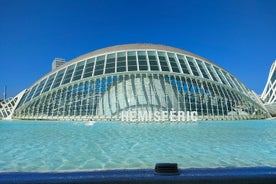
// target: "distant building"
[[57, 63], [269, 93], [105, 83]]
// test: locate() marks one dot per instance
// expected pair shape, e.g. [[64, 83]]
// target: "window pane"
[[212, 72], [110, 63], [229, 80], [68, 74], [223, 80], [153, 61], [49, 83], [202, 68], [39, 88], [78, 71], [192, 65], [163, 61], [99, 66], [173, 62], [142, 59], [121, 62], [58, 78], [88, 71], [237, 83], [183, 64], [131, 59], [29, 97]]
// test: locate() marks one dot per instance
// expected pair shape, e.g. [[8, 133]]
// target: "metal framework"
[[269, 93], [102, 84], [7, 106]]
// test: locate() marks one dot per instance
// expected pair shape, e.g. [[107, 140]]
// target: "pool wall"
[[262, 175]]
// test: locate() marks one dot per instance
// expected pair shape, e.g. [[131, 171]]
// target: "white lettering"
[[157, 116], [150, 115], [142, 116], [187, 116], [132, 116], [172, 115], [194, 116], [124, 115], [181, 116], [164, 115]]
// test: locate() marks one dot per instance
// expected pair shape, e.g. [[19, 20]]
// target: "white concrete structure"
[[7, 106], [269, 94]]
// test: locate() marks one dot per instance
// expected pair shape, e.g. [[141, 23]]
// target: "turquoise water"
[[56, 146]]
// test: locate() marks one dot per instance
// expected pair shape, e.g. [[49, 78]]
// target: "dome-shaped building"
[[102, 84]]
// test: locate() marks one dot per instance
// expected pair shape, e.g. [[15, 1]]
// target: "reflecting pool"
[[59, 146]]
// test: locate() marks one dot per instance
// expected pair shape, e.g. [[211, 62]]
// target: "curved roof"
[[135, 46], [124, 47]]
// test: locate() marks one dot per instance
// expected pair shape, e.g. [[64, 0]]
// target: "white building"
[[269, 93], [57, 63]]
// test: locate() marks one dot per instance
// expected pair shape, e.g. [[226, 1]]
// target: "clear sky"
[[238, 35]]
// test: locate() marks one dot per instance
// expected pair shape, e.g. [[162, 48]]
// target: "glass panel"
[[49, 83], [192, 66], [58, 78], [29, 97], [273, 78], [163, 61], [215, 90], [99, 66], [212, 72], [88, 71], [229, 80], [237, 83], [39, 88], [173, 63], [220, 91], [22, 100], [131, 59], [202, 69], [153, 61], [121, 62], [189, 86], [78, 71], [142, 59], [110, 63], [68, 74], [211, 89], [183, 64], [223, 80]]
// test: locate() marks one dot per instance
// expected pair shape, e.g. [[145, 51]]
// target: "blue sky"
[[238, 35]]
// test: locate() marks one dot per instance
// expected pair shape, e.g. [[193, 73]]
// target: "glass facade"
[[144, 77]]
